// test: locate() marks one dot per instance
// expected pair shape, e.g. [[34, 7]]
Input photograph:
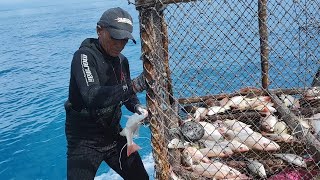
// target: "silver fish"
[[292, 159], [215, 110], [200, 113], [216, 170], [216, 151], [177, 144], [314, 120], [237, 125], [234, 145], [131, 129], [212, 131], [312, 93], [265, 109], [268, 123], [257, 168], [253, 140], [280, 127], [195, 154], [290, 101], [283, 137]]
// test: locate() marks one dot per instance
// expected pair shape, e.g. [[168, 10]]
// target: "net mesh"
[[233, 89]]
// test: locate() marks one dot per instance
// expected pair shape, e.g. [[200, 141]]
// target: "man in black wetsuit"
[[100, 84]]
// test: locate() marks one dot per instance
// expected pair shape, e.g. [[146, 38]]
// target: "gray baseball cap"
[[118, 22]]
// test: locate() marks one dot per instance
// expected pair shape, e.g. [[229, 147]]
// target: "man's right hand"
[[139, 109]]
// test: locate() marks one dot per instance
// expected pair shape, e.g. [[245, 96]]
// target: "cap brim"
[[120, 34]]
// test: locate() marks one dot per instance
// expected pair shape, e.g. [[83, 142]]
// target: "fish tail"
[[132, 148]]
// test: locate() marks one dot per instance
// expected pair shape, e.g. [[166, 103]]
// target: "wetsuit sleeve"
[[94, 95], [133, 99]]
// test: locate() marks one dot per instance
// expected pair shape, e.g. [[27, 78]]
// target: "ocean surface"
[[38, 39]]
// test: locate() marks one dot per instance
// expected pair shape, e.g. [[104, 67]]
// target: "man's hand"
[[139, 109]]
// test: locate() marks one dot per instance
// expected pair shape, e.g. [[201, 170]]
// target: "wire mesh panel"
[[233, 89]]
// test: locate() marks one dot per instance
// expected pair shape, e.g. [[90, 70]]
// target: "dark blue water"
[[38, 40]]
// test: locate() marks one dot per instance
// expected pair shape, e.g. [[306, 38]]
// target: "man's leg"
[[131, 167], [82, 163]]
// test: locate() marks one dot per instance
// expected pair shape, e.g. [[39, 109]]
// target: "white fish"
[[265, 109], [304, 122], [232, 102], [200, 113], [215, 110], [216, 151], [177, 143], [315, 122], [186, 159], [268, 123], [234, 145], [211, 131], [250, 103], [283, 137], [312, 93], [216, 170], [253, 140], [195, 154], [131, 129], [292, 159], [280, 127], [257, 168], [237, 125], [290, 101]]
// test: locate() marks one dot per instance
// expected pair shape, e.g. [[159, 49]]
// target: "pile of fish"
[[214, 153]]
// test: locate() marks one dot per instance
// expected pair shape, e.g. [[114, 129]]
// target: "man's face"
[[112, 46]]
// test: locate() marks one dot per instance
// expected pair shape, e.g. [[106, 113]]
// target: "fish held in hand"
[[131, 130]]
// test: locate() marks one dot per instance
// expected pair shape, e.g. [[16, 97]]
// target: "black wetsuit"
[[99, 85]]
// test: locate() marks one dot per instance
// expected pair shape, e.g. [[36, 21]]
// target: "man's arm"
[[93, 94]]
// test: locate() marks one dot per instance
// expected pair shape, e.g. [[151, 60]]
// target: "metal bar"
[[264, 48], [154, 54]]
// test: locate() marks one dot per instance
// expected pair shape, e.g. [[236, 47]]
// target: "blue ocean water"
[[38, 39]]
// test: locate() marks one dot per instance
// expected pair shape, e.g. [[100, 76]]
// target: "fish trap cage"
[[233, 87]]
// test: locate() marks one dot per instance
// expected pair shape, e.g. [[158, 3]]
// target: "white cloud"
[[148, 163]]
